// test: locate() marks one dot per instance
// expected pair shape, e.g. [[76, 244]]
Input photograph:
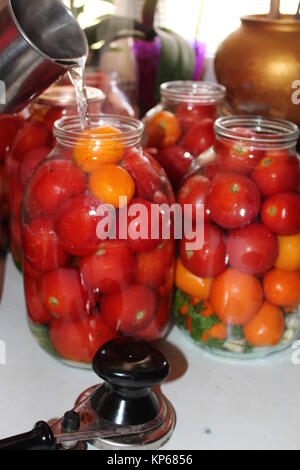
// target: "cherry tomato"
[[15, 195], [278, 172], [152, 267], [212, 170], [96, 147], [76, 225], [139, 227], [252, 249], [234, 200], [162, 130], [36, 310], [188, 113], [52, 115], [210, 260], [41, 245], [29, 270], [236, 297], [289, 253], [266, 328], [110, 183], [79, 341], [30, 161], [9, 126], [158, 327], [199, 137], [110, 270], [176, 161], [281, 214], [237, 157], [191, 284], [32, 135], [52, 184], [194, 192], [63, 295], [147, 179], [129, 311], [282, 288]]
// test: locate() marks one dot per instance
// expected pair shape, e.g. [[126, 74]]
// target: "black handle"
[[130, 368], [40, 438]]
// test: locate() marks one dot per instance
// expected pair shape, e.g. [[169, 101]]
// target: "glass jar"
[[9, 126], [181, 127], [238, 292], [87, 277], [33, 143], [116, 101]]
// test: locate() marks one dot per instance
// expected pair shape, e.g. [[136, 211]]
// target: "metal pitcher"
[[39, 42]]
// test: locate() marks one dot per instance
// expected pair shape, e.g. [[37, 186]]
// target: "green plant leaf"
[[177, 59]]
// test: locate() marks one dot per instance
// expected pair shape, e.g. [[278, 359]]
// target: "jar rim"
[[193, 91], [271, 132], [68, 129], [65, 95]]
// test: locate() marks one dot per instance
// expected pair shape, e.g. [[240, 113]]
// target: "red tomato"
[[152, 267], [41, 245], [129, 311], [188, 113], [210, 260], [237, 157], [63, 295], [36, 310], [194, 191], [29, 270], [15, 231], [176, 161], [52, 184], [212, 170], [139, 227], [278, 172], [158, 327], [199, 137], [147, 179], [52, 115], [32, 135], [252, 249], [79, 341], [9, 126], [76, 225], [281, 214], [30, 161], [110, 270], [15, 195], [234, 200]]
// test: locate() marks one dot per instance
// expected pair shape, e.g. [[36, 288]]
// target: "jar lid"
[[193, 92], [66, 96]]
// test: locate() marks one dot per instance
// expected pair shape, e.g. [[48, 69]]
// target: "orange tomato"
[[110, 183], [282, 287], [96, 147], [266, 328], [236, 297], [219, 331], [163, 130], [208, 310], [289, 253], [191, 284]]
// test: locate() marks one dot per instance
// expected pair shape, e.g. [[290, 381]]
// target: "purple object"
[[147, 55], [200, 50]]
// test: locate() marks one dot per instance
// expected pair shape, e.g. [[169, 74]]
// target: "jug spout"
[[39, 42]]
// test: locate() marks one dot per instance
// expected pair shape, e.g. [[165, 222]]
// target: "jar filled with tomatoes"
[[181, 127], [238, 292], [33, 143], [93, 268]]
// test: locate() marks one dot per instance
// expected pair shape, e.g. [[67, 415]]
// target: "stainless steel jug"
[[39, 42]]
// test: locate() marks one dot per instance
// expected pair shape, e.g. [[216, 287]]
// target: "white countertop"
[[219, 404]]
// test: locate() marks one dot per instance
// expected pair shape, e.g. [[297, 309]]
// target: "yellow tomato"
[[289, 253], [110, 183], [96, 147], [191, 284]]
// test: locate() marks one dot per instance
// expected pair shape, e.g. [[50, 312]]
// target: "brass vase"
[[258, 64]]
